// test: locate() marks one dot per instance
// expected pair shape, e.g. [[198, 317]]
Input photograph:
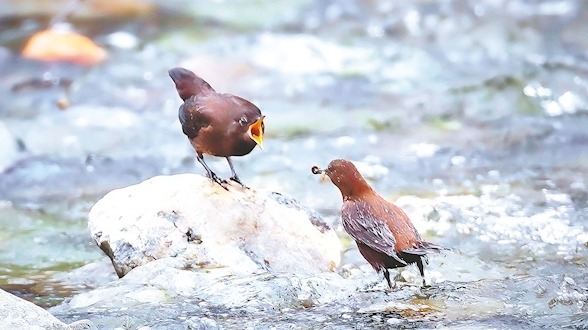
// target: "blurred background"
[[473, 115]]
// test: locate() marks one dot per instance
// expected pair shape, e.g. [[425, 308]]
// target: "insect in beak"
[[317, 170]]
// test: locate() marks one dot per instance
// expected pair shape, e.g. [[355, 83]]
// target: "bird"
[[384, 234], [217, 124]]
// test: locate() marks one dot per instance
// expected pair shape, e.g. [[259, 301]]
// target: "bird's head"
[[345, 176], [256, 130]]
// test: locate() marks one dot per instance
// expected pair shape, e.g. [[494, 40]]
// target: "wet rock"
[[92, 275], [244, 231], [203, 323], [172, 284], [17, 313], [570, 293]]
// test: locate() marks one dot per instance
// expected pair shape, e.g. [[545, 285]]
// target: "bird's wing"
[[192, 118], [365, 228]]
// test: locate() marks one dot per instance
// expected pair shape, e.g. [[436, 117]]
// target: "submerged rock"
[[173, 283], [189, 218], [17, 313]]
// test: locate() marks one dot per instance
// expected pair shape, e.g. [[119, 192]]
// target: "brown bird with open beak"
[[384, 234], [221, 125]]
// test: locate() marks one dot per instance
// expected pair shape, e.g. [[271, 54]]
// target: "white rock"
[[188, 217], [17, 313]]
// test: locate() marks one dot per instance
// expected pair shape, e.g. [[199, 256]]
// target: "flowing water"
[[472, 115]]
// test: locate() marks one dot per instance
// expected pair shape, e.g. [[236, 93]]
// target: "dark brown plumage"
[[222, 125], [384, 234]]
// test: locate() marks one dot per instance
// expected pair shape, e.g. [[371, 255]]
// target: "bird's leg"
[[387, 277], [421, 269], [210, 174], [234, 176]]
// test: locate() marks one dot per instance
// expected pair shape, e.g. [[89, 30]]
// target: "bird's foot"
[[391, 287], [236, 179], [221, 182], [391, 282]]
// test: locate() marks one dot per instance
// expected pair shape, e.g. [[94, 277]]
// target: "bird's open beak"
[[317, 170], [256, 131]]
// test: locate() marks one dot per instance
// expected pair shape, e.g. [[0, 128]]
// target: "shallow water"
[[472, 115]]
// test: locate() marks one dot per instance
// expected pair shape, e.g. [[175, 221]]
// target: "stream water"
[[472, 115]]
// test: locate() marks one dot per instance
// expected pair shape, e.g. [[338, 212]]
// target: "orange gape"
[[384, 234], [217, 124]]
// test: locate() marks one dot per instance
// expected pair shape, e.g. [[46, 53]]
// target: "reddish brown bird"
[[221, 125], [384, 234]]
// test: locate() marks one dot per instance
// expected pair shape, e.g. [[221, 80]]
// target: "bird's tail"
[[422, 248], [188, 83]]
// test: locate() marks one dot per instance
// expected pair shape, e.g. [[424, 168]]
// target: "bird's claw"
[[236, 179], [221, 182]]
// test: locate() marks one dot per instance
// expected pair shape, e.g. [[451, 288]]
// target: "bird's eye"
[[243, 121]]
